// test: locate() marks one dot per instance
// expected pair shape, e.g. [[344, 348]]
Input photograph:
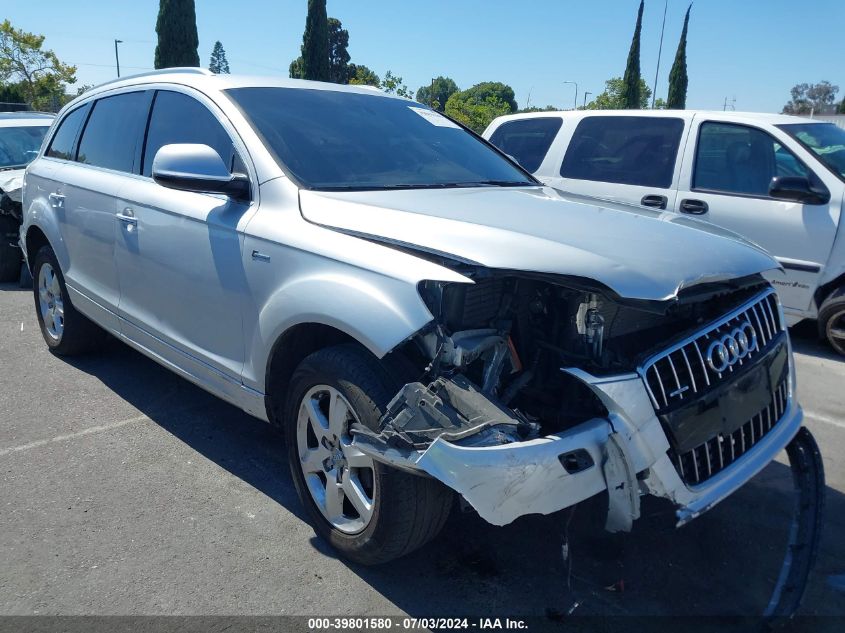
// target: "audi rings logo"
[[732, 347]]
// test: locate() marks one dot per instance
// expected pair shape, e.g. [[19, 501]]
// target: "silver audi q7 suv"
[[419, 315]]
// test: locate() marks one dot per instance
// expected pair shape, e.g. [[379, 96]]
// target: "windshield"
[[332, 140], [19, 145], [825, 140]]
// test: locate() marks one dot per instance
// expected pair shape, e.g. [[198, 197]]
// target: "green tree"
[[12, 98], [548, 108], [218, 64], [360, 75], [613, 97], [677, 98], [340, 70], [38, 74], [477, 106], [315, 43], [177, 34], [816, 98], [841, 109], [392, 84], [437, 93], [632, 78], [480, 92]]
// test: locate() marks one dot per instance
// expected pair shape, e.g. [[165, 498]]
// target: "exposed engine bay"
[[496, 351]]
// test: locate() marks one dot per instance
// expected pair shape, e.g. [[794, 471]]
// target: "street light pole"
[[585, 98], [576, 92], [116, 57], [659, 53]]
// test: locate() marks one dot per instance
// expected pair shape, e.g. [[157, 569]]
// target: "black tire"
[[408, 510], [832, 320], [10, 255], [79, 335]]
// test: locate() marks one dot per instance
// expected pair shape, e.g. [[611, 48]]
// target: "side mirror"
[[797, 189], [199, 168]]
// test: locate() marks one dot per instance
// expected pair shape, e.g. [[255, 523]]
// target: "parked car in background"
[[777, 180], [419, 314], [21, 134]]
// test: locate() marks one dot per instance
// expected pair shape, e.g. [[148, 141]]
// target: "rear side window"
[[62, 144], [738, 159], [111, 135], [178, 118], [527, 140], [627, 150]]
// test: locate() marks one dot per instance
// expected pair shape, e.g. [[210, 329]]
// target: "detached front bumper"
[[627, 457]]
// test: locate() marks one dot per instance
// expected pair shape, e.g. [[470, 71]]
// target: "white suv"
[[421, 316], [777, 180]]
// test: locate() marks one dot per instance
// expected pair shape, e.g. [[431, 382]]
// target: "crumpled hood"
[[11, 183], [636, 252]]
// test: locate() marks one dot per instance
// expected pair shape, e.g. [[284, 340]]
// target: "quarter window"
[[111, 135], [743, 160], [178, 118], [628, 150], [527, 140], [62, 144]]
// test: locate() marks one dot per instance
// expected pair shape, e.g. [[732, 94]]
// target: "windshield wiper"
[[431, 185], [8, 167]]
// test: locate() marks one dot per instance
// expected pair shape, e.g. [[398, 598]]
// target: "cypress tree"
[[177, 34], [315, 42], [218, 63], [677, 99], [631, 79]]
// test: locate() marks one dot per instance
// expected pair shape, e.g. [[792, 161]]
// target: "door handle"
[[694, 207], [57, 200], [128, 217], [653, 200]]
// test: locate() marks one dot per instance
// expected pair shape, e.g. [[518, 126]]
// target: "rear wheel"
[[10, 254], [832, 320], [66, 331], [369, 512]]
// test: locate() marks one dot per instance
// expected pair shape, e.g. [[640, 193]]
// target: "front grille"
[[686, 390], [699, 464], [681, 373]]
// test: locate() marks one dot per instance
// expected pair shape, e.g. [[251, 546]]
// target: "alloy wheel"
[[339, 477], [50, 302]]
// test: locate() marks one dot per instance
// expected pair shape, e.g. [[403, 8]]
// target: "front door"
[[725, 180], [179, 256]]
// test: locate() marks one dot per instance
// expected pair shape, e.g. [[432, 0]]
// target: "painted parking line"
[[826, 419], [71, 436]]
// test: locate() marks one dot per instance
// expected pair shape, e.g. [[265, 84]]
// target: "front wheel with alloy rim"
[[832, 320], [370, 512], [65, 330]]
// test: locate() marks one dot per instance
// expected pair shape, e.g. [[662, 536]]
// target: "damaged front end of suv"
[[541, 391]]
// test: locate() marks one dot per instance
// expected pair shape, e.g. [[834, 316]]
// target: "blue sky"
[[753, 50]]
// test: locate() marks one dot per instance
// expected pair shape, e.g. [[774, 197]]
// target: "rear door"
[[629, 159], [179, 253], [87, 190], [725, 179]]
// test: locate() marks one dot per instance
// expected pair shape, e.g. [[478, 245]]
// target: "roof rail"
[[176, 70]]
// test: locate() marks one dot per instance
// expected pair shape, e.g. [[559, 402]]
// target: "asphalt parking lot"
[[126, 490]]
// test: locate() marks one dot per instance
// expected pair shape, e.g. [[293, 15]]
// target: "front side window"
[[337, 140], [527, 140], [738, 159], [825, 140], [627, 150], [63, 140], [111, 135], [178, 118], [19, 145]]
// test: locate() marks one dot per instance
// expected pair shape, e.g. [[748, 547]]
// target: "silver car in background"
[[420, 315]]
